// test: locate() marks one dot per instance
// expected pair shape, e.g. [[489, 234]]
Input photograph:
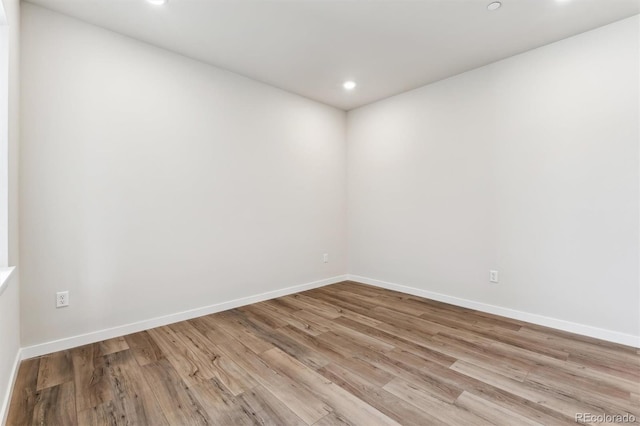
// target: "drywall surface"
[[4, 138], [528, 166], [12, 9], [10, 291], [9, 340], [9, 129], [153, 184]]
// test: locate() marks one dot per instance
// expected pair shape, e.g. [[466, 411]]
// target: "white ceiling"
[[310, 47]]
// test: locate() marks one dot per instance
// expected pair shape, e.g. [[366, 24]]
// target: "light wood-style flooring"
[[346, 354]]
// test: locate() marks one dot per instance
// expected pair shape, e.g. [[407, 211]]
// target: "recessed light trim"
[[349, 85], [494, 6], [157, 2]]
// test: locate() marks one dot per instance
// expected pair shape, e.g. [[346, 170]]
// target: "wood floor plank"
[[481, 355], [264, 315], [442, 412], [574, 340], [311, 342], [612, 357], [346, 309], [346, 345], [447, 384], [89, 372], [362, 339], [302, 402], [175, 398], [612, 366], [105, 414], [281, 306], [410, 328], [333, 419], [221, 406], [189, 366], [55, 405], [133, 400], [313, 322], [430, 381], [468, 322], [579, 370], [233, 325], [563, 383], [398, 342], [209, 327], [110, 346], [374, 374], [555, 402], [144, 348], [219, 367], [516, 339], [318, 307], [265, 409], [574, 381], [344, 354], [379, 398], [492, 413], [24, 393], [55, 369], [387, 301], [300, 352], [421, 307], [340, 401]]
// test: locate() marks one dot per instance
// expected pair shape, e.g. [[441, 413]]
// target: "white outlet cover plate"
[[62, 299]]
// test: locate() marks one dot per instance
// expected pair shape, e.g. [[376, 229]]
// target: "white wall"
[[9, 341], [9, 296], [13, 14], [152, 183], [4, 138], [528, 166], [133, 157]]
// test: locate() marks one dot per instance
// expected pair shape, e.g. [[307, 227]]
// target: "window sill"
[[5, 273]]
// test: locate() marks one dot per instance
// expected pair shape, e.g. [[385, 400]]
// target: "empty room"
[[319, 212]]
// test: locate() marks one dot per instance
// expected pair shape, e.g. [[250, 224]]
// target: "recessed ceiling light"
[[494, 6], [349, 85], [157, 2]]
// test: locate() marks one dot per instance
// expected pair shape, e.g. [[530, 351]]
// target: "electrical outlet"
[[62, 299], [493, 276], [325, 258]]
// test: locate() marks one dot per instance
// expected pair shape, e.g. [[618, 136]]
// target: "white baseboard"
[[84, 339], [4, 408], [96, 336], [572, 327]]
